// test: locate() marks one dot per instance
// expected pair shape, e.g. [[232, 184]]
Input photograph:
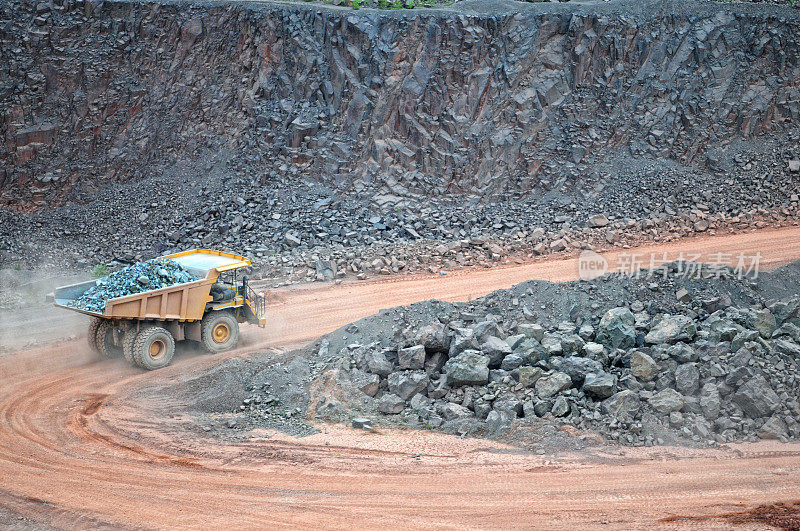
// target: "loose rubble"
[[619, 356], [145, 276]]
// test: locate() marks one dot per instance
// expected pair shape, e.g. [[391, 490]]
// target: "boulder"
[[468, 368], [572, 344], [496, 349], [552, 345], [511, 362], [532, 331], [710, 401], [433, 338], [670, 329], [765, 323], [529, 375], [576, 367], [497, 420], [687, 378], [451, 411], [682, 353], [547, 386], [622, 405], [643, 366], [411, 357], [485, 329], [756, 398], [377, 363], [390, 404], [773, 428], [463, 339], [596, 351], [515, 340], [366, 382], [600, 384], [667, 400], [617, 329], [508, 404], [597, 221], [406, 384], [561, 407], [789, 348]]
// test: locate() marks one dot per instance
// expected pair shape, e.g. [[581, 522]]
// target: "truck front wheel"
[[153, 348], [219, 331]]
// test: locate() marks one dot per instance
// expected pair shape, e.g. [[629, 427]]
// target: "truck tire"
[[91, 337], [127, 343], [153, 348], [105, 340], [219, 331]]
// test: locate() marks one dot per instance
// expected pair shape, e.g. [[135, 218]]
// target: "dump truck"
[[144, 327]]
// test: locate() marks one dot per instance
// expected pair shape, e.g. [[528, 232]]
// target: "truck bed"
[[183, 302]]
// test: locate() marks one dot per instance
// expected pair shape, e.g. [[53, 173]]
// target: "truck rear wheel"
[[153, 348], [91, 338], [127, 343], [105, 340], [219, 331]]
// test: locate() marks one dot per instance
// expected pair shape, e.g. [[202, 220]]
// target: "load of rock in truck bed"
[[151, 275]]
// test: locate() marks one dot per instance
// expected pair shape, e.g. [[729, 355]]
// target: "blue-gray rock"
[[508, 404], [411, 357], [682, 353], [406, 384], [496, 349], [463, 339], [764, 322], [561, 407], [532, 331], [468, 368], [529, 375], [670, 329], [600, 384], [154, 274], [667, 400], [622, 405], [497, 420], [390, 404], [366, 382], [617, 329], [789, 348], [773, 428], [687, 378], [576, 367], [547, 386], [511, 362], [451, 411], [542, 407], [377, 363], [710, 401], [757, 398]]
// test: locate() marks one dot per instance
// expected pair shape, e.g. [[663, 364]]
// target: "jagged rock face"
[[399, 104]]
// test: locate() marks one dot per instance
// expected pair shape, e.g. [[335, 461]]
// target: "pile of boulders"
[[634, 376], [154, 274]]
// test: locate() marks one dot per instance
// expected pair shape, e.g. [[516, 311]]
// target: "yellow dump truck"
[[144, 326]]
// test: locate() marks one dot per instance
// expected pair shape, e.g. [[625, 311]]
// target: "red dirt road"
[[82, 445]]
